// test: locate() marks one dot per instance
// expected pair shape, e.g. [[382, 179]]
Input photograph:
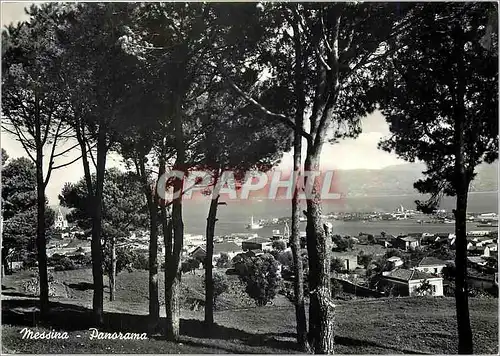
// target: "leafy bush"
[[220, 285], [279, 245], [336, 265], [30, 261], [365, 260], [82, 260], [64, 263], [260, 277], [223, 261], [286, 258], [343, 243], [140, 261], [336, 287], [190, 265], [125, 259], [424, 289]]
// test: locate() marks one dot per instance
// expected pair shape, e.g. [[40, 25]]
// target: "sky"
[[359, 153]]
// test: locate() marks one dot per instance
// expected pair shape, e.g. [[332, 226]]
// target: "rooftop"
[[407, 238], [408, 275], [431, 261], [258, 240], [476, 259], [226, 247], [394, 258]]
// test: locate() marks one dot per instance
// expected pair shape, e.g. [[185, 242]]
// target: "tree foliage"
[[124, 208], [260, 277], [420, 93]]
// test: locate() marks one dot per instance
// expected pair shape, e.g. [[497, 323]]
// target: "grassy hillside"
[[399, 325]]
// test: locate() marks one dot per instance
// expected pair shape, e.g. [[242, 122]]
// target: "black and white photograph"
[[249, 177]]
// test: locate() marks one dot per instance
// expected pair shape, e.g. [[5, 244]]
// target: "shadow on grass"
[[82, 286], [69, 317], [347, 341], [18, 294], [197, 329]]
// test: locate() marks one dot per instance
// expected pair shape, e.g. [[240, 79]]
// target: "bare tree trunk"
[[154, 303], [112, 273], [321, 307], [465, 345], [209, 287], [298, 269], [40, 236], [167, 240], [172, 284], [96, 246], [5, 262]]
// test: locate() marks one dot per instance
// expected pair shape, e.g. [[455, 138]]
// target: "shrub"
[[343, 243], [424, 289], [30, 261], [279, 245], [286, 258], [336, 288], [190, 265], [365, 260], [140, 261], [64, 264], [223, 261], [82, 260], [220, 285], [125, 259], [260, 277], [336, 265]]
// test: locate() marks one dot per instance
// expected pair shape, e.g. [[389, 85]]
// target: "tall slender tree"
[[440, 99], [96, 78], [34, 112], [341, 44], [236, 139]]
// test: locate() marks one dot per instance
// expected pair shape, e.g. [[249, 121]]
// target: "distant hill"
[[399, 179]]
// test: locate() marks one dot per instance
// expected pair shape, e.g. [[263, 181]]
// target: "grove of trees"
[[220, 86]]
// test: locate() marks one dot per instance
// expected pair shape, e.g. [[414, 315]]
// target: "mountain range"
[[399, 179]]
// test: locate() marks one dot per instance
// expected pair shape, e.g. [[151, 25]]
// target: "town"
[[366, 265]]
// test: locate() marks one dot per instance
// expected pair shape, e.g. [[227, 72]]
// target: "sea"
[[235, 216]]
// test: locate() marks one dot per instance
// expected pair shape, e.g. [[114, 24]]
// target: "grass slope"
[[381, 326]]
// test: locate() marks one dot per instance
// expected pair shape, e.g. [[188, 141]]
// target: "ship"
[[253, 225]]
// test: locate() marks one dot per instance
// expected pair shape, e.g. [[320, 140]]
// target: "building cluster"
[[481, 246]]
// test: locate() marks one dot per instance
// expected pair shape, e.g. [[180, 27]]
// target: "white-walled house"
[[396, 261], [229, 248], [431, 265], [404, 282]]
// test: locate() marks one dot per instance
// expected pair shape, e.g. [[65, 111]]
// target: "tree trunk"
[[167, 240], [321, 308], [154, 303], [209, 284], [152, 203], [5, 262], [96, 246], [112, 273], [40, 238], [172, 284], [465, 345], [298, 269]]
